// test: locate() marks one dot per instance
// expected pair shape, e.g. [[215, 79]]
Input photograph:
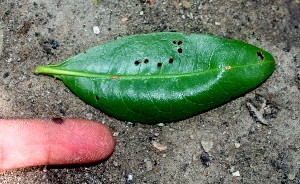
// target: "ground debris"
[[236, 174], [262, 109], [149, 165], [159, 146], [207, 145], [205, 159], [1, 41]]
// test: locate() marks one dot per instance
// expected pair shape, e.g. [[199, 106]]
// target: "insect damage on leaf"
[[163, 77], [260, 55], [227, 67]]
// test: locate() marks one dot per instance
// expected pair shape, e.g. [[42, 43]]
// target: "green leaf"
[[163, 77]]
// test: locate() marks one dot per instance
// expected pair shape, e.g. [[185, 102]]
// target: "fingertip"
[[80, 141], [53, 142]]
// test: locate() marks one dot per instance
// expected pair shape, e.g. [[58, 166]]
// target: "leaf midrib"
[[56, 72]]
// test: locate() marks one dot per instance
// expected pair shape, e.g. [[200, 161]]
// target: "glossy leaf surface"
[[163, 77]]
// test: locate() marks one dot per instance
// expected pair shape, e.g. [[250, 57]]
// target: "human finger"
[[32, 142]]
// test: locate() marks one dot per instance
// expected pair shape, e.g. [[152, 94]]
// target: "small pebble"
[[237, 145], [190, 16], [207, 145], [115, 134], [236, 174], [186, 4], [160, 124], [159, 146], [217, 23], [195, 157], [96, 30], [149, 165], [115, 164], [129, 177], [141, 12], [9, 60], [292, 176], [124, 19], [129, 124]]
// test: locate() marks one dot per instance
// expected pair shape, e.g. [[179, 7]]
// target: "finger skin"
[[32, 142]]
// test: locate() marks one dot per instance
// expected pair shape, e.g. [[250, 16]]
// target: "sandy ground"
[[242, 150]]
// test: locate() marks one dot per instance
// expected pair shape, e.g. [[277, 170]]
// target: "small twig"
[[258, 113]]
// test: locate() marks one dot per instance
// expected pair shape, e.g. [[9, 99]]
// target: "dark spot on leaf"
[[57, 120], [171, 60], [97, 97], [260, 56], [174, 42], [180, 50], [146, 61], [137, 62], [159, 64]]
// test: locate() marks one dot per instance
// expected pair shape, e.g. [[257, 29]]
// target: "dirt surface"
[[240, 149]]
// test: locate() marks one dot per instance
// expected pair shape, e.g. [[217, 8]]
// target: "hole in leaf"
[[171, 60], [174, 42], [180, 50], [146, 61], [97, 97], [159, 64], [260, 56], [137, 62], [179, 42]]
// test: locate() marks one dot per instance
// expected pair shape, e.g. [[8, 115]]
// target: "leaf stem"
[[50, 70]]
